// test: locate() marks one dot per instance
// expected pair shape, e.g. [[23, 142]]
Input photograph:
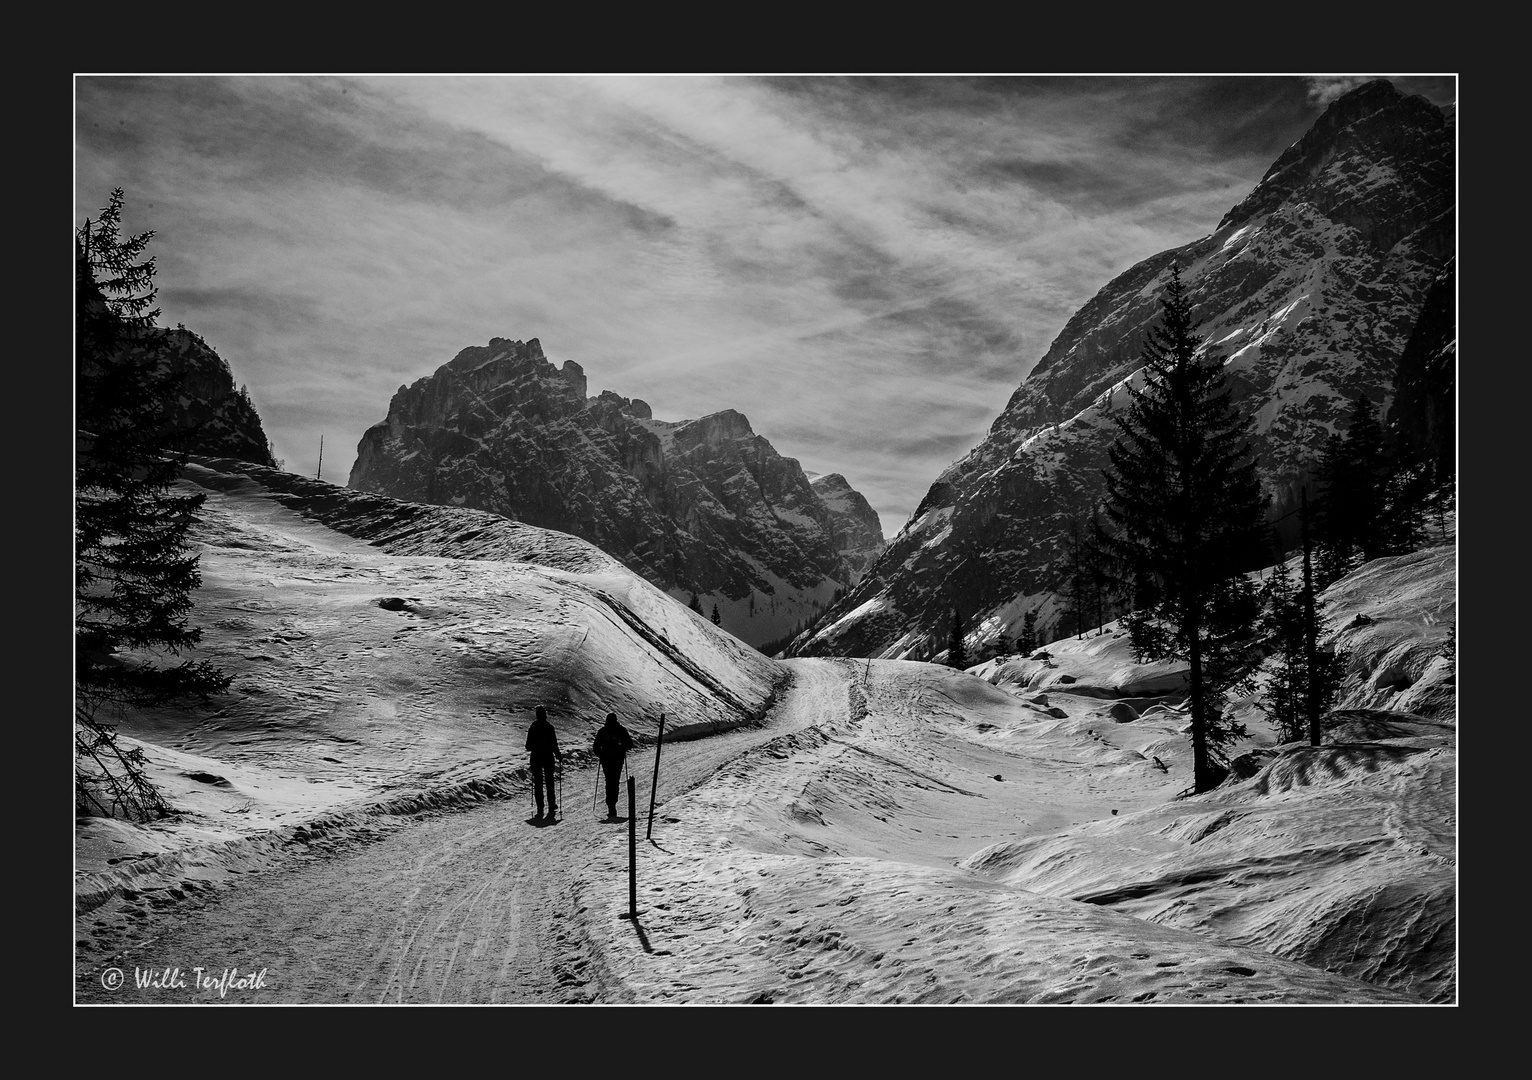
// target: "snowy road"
[[474, 906]]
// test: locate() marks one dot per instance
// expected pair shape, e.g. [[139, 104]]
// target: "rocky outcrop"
[[220, 420], [703, 508], [1423, 418], [1309, 289], [857, 531]]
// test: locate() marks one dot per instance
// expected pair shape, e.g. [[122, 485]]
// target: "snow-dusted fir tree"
[[1187, 506], [134, 568]]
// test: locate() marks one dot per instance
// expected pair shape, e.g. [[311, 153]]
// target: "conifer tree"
[[715, 615], [1370, 503], [1186, 502], [1303, 676], [1026, 641], [134, 568], [957, 655], [1076, 573]]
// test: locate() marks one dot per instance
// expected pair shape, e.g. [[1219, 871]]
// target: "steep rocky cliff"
[[1309, 289], [857, 531], [221, 420], [1423, 417], [703, 508]]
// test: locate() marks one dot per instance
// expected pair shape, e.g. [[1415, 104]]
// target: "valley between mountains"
[[355, 819]]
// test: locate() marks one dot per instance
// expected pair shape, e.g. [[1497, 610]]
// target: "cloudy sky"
[[864, 267]]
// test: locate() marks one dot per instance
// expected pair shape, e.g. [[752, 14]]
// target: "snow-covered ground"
[[889, 831]]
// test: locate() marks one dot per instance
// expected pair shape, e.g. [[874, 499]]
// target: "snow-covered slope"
[[891, 832], [1309, 289], [387, 652], [703, 508]]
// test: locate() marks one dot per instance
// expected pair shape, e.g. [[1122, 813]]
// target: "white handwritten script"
[[205, 980]]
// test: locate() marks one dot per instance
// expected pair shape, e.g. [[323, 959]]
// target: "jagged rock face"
[[221, 420], [698, 507], [1310, 289], [858, 533], [1423, 416]]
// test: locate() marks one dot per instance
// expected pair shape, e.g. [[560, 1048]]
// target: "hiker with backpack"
[[611, 747], [543, 744]]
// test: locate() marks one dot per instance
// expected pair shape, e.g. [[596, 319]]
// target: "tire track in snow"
[[469, 906]]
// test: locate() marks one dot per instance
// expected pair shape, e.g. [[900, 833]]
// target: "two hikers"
[[543, 744], [611, 746]]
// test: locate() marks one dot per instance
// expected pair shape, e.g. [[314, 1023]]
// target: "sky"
[[865, 267]]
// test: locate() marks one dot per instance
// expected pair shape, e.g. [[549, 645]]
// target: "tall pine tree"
[[1186, 503], [134, 568]]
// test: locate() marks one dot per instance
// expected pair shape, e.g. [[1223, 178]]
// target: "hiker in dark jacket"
[[611, 746], [543, 744]]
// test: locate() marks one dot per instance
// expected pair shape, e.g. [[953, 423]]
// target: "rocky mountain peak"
[[704, 507], [1310, 288], [1341, 161], [857, 529]]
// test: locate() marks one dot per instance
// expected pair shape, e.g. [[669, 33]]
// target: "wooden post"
[[654, 787], [320, 469], [632, 850]]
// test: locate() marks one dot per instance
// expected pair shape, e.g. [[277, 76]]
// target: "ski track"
[[471, 906]]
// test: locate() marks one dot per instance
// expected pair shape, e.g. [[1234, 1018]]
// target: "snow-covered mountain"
[[702, 508], [1310, 289]]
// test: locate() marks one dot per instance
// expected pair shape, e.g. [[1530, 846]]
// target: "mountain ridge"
[[705, 509], [1309, 288]]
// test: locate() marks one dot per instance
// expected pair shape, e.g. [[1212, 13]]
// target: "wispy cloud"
[[865, 267]]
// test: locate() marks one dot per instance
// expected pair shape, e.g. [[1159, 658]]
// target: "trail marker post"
[[632, 851], [655, 786]]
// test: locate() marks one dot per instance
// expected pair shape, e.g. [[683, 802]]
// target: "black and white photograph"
[[781, 539]]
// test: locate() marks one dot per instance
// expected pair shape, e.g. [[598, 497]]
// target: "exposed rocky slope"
[[1423, 415], [858, 533], [197, 407], [1310, 289], [703, 508], [222, 420]]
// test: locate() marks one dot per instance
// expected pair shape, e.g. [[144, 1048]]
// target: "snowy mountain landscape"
[[1149, 699], [847, 831]]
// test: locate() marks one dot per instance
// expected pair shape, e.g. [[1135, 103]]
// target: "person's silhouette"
[[543, 745], [611, 746]]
